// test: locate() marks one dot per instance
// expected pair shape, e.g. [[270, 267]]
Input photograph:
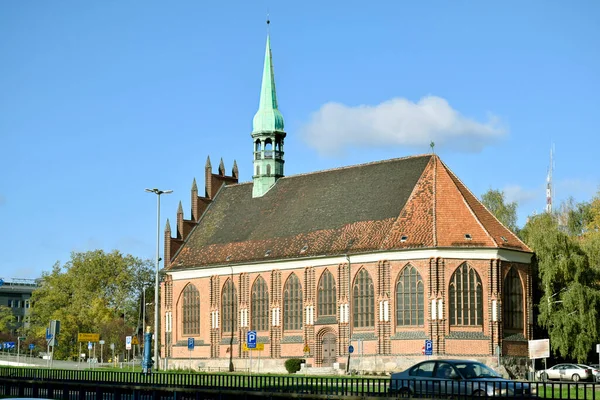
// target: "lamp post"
[[157, 192]]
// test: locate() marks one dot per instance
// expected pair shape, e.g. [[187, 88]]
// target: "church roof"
[[404, 203]]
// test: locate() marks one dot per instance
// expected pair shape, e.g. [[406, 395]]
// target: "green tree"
[[505, 212], [94, 292], [7, 319], [570, 302]]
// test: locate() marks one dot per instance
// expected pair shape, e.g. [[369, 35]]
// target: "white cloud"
[[398, 122], [522, 195]]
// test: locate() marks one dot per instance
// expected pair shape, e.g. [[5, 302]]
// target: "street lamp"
[[157, 192]]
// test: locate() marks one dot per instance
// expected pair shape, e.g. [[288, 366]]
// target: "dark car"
[[456, 378]]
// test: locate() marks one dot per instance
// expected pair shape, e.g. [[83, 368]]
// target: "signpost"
[[190, 348], [101, 351], [539, 348], [251, 344], [428, 347], [128, 346]]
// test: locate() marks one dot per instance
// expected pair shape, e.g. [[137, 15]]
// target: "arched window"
[[191, 310], [512, 305], [409, 298], [364, 300], [466, 298], [292, 304], [257, 146], [268, 170], [326, 300], [260, 306], [229, 307], [258, 170]]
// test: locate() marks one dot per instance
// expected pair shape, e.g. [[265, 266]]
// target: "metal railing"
[[332, 387]]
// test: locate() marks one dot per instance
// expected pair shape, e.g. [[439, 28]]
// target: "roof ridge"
[[358, 165]]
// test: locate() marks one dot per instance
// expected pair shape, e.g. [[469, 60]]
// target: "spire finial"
[[432, 145]]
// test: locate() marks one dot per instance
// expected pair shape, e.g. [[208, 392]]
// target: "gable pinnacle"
[[168, 226], [180, 208], [194, 186]]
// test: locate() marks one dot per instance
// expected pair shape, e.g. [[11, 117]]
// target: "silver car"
[[455, 378], [566, 372]]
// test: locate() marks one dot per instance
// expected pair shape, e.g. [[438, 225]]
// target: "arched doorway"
[[329, 342]]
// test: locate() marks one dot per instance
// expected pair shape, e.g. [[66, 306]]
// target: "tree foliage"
[[7, 319], [94, 292], [566, 259], [505, 212]]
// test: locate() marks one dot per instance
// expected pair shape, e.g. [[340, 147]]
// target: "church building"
[[382, 257]]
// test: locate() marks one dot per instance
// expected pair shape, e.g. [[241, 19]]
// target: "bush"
[[292, 365]]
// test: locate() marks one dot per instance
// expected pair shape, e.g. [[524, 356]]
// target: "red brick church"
[[382, 256]]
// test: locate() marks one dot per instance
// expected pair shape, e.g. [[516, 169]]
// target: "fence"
[[66, 384]]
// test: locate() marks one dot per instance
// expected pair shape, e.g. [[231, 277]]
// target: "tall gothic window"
[[466, 298], [364, 300], [229, 307], [191, 310], [409, 298], [260, 305], [512, 305], [326, 300], [292, 304]]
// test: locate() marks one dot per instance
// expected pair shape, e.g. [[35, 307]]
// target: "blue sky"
[[99, 100]]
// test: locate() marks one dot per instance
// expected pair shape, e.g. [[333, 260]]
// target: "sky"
[[102, 99]]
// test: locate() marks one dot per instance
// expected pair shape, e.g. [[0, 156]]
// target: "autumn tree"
[[506, 213], [7, 319], [94, 292]]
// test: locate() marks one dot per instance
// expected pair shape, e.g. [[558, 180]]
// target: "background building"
[[15, 294]]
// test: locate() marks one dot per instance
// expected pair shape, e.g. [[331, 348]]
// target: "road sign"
[[48, 334], [429, 347], [101, 342], [306, 348], [112, 346], [88, 337], [128, 342], [190, 343], [90, 346], [350, 349], [251, 339], [259, 347], [134, 340], [31, 346]]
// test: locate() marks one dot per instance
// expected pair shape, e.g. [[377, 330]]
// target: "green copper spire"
[[268, 118]]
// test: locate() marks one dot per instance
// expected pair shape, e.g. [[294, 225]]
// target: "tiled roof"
[[412, 202]]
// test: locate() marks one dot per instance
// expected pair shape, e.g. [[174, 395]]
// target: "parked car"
[[456, 378], [596, 371], [567, 372]]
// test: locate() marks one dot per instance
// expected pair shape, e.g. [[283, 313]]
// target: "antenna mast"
[[549, 186]]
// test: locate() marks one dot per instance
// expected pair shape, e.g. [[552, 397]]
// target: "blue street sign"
[[428, 347], [31, 346], [48, 334], [350, 349], [251, 339], [90, 345], [190, 343]]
